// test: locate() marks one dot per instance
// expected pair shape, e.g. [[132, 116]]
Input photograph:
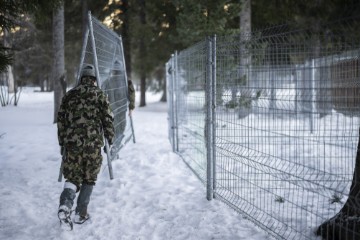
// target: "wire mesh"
[[286, 123], [189, 107], [108, 58]]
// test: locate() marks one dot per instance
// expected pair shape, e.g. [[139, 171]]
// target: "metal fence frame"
[[237, 156], [103, 48]]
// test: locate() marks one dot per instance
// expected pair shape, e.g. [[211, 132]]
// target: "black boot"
[[81, 214]]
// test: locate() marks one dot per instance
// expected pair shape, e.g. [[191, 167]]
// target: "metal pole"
[[98, 82], [132, 129], [94, 49], [172, 105], [63, 154], [108, 155], [85, 41], [176, 102], [213, 94], [125, 74], [312, 92], [208, 120]]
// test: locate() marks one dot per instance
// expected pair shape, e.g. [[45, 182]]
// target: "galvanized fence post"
[[126, 78], [208, 120], [312, 95], [213, 93], [171, 99], [85, 41], [176, 102]]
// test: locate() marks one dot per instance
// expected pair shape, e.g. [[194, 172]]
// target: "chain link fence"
[[269, 121]]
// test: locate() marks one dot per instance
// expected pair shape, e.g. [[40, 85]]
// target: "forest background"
[[41, 40]]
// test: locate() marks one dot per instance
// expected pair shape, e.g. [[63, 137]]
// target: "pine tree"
[[11, 11], [199, 19]]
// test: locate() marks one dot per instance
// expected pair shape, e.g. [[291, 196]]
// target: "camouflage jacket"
[[84, 117]]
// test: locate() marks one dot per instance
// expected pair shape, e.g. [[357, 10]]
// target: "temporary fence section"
[[103, 48], [269, 122]]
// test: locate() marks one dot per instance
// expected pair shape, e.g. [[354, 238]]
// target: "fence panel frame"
[[92, 58]]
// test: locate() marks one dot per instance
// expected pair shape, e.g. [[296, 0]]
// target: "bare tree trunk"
[[58, 69], [10, 79], [346, 224], [84, 18], [160, 76], [164, 96], [142, 90], [47, 84], [245, 58], [143, 53], [245, 31], [9, 72], [126, 37]]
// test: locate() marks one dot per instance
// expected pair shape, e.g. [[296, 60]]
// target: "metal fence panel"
[[285, 123], [190, 107], [103, 48]]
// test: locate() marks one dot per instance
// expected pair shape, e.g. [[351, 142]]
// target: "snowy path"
[[153, 196]]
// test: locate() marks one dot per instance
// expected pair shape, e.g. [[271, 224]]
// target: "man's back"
[[83, 115]]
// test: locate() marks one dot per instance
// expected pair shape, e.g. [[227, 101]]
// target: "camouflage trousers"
[[82, 165]]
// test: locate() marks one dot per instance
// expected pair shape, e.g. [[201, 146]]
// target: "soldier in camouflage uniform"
[[83, 119]]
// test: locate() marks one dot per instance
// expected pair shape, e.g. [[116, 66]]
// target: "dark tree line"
[[151, 30]]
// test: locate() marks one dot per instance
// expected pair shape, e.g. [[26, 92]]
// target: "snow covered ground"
[[153, 196]]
